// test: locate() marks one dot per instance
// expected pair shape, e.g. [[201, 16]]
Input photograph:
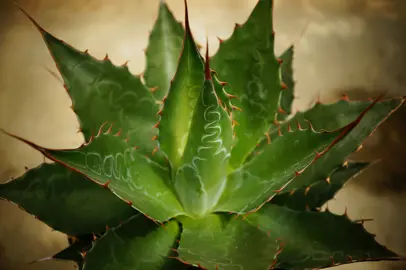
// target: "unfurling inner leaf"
[[201, 177], [177, 113]]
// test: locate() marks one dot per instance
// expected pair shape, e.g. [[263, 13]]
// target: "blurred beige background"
[[353, 46]]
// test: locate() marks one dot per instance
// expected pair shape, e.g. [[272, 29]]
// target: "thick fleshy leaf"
[[317, 194], [287, 95], [138, 244], [331, 117], [288, 155], [66, 200], [316, 239], [220, 242], [202, 175], [162, 53], [108, 160], [177, 113], [277, 238], [248, 63], [101, 91]]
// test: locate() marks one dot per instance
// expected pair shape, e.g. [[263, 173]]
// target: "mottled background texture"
[[351, 46]]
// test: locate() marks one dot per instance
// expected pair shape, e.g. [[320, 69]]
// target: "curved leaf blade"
[[201, 177], [177, 113], [248, 63], [109, 161], [317, 239], [331, 117], [273, 169], [162, 53], [137, 244], [336, 115], [101, 91], [317, 194], [66, 200]]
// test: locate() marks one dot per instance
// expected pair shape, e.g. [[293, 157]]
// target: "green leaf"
[[317, 194], [331, 117], [136, 244], [248, 63], [162, 53], [108, 160], [66, 200], [101, 91], [316, 239], [287, 156], [219, 242], [277, 237], [328, 117], [287, 95], [177, 113], [201, 177]]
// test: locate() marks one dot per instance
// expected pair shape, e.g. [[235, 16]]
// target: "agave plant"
[[199, 162]]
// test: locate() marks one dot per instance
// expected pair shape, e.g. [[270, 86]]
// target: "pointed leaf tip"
[[29, 17], [187, 25], [33, 145], [207, 65]]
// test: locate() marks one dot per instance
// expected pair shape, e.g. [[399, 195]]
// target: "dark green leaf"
[[316, 239], [277, 238], [318, 193], [216, 242], [248, 63], [108, 160], [138, 244], [162, 54], [66, 200], [184, 92]]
